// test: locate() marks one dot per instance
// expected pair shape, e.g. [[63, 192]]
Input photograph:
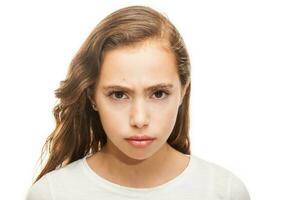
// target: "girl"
[[123, 120]]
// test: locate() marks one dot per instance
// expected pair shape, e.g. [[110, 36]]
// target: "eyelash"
[[118, 91]]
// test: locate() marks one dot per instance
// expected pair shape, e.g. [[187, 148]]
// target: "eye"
[[117, 94], [159, 93]]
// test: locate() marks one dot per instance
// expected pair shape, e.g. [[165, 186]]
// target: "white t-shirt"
[[200, 180]]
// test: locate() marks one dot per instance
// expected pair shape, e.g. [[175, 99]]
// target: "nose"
[[138, 114]]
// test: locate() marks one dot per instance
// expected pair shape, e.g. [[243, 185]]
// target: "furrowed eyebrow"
[[157, 86]]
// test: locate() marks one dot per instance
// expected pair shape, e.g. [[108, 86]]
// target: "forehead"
[[148, 62]]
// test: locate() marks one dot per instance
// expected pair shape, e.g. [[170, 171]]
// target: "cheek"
[[115, 117], [112, 118], [164, 119]]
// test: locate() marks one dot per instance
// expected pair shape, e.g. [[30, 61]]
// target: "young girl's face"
[[128, 102]]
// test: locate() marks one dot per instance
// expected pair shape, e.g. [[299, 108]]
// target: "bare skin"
[[138, 111], [112, 169]]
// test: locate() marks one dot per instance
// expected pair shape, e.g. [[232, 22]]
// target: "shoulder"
[[238, 190], [221, 180], [66, 172], [40, 190], [44, 187]]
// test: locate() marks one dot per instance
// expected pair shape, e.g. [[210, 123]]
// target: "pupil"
[[159, 92], [118, 94]]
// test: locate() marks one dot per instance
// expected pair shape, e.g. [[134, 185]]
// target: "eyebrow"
[[153, 87]]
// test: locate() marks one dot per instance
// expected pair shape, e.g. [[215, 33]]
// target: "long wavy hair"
[[79, 130]]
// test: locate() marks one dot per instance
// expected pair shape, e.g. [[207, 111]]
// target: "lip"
[[140, 137], [140, 143]]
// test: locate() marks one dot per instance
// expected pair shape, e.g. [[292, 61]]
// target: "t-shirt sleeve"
[[40, 190], [238, 190]]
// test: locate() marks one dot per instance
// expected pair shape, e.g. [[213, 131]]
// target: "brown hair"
[[78, 131]]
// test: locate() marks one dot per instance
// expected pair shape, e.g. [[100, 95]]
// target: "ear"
[[90, 97], [184, 91]]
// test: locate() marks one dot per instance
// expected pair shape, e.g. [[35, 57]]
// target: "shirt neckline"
[[100, 181]]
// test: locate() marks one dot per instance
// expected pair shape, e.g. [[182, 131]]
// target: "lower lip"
[[140, 143]]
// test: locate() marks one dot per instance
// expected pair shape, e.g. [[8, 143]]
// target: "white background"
[[245, 56]]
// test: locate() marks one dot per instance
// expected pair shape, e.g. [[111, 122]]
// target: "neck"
[[135, 172]]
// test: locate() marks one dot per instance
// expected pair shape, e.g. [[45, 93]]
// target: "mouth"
[[140, 138], [140, 143]]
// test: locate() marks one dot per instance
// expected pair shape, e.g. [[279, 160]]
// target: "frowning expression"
[[138, 93]]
